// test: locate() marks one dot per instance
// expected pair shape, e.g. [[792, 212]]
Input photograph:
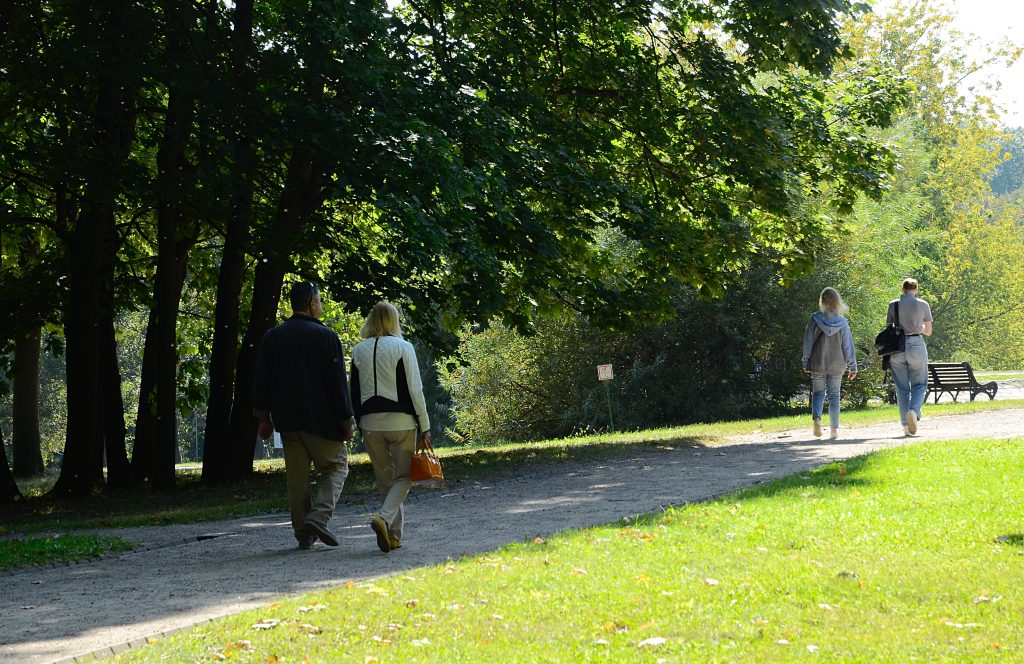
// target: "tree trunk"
[[9, 492], [217, 448], [119, 474], [243, 424], [145, 417], [26, 452], [93, 252], [82, 467]]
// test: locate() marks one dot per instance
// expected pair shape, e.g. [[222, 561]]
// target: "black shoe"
[[394, 541], [324, 535], [306, 542], [383, 537]]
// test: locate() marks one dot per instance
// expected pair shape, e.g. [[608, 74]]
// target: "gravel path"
[[180, 577]]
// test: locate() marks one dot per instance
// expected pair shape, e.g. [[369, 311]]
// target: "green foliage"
[[1009, 176], [714, 360]]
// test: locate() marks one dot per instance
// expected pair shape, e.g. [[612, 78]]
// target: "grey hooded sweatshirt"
[[828, 345]]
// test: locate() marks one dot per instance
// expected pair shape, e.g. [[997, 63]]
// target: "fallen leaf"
[[654, 641], [783, 642], [270, 659], [600, 642], [312, 607], [412, 603], [710, 582], [310, 629], [812, 648], [350, 585], [266, 623], [538, 540], [419, 643], [827, 607], [579, 571]]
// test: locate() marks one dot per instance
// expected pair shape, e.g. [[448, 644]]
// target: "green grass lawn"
[[18, 552], [911, 554]]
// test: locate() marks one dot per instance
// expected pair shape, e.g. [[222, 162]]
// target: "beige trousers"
[[330, 458], [391, 453]]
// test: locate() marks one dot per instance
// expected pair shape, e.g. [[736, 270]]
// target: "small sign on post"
[[605, 374]]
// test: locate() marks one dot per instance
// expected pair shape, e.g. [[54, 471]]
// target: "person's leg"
[[832, 388], [900, 370], [376, 444], [330, 458], [296, 470], [401, 445], [817, 399], [917, 361]]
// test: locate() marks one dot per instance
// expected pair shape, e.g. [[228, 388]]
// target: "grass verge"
[[18, 552], [264, 492], [909, 554]]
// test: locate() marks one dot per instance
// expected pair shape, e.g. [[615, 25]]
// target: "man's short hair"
[[302, 295], [909, 284]]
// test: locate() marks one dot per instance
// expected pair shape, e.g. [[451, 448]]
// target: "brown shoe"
[[394, 541], [912, 422], [817, 427], [381, 529]]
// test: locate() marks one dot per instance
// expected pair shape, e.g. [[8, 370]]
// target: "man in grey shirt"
[[910, 368]]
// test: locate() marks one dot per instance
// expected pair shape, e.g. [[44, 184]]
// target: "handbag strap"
[[427, 447], [896, 317]]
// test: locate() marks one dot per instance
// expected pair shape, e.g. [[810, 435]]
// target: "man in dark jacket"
[[302, 391]]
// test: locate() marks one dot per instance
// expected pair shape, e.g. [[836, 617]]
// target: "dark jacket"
[[300, 379]]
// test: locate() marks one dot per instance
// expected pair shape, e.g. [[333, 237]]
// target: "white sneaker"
[[912, 422], [817, 428], [834, 435], [906, 431]]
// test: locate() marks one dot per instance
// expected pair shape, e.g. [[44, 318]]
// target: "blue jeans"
[[823, 384], [910, 376]]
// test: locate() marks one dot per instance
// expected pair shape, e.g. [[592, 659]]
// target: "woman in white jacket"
[[387, 395]]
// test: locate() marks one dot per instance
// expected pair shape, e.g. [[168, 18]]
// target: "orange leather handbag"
[[425, 469]]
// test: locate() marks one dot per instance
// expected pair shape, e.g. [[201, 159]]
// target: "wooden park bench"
[[954, 378]]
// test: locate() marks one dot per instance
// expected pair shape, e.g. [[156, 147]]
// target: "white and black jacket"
[[385, 378]]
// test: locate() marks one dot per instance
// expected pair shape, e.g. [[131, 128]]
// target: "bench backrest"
[[950, 373]]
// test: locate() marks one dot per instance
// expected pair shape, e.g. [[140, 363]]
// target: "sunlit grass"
[[911, 554], [17, 552]]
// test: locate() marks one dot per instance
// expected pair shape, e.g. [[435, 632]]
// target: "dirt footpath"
[[184, 575]]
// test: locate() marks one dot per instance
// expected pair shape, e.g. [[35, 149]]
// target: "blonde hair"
[[830, 302], [382, 321]]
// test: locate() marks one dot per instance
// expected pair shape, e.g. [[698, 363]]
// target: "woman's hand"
[[424, 440]]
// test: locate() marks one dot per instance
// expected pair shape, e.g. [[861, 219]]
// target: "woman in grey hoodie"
[[828, 352]]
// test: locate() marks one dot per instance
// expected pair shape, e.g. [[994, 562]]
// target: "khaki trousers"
[[391, 453], [330, 458]]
